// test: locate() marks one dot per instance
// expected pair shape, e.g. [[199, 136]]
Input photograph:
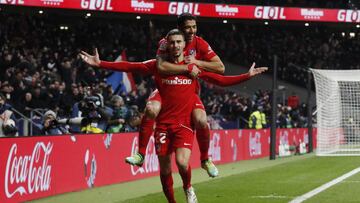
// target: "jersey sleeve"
[[143, 68], [150, 66], [206, 51], [221, 80]]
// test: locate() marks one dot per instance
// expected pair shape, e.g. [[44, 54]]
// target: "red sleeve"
[[206, 52], [221, 80], [144, 68]]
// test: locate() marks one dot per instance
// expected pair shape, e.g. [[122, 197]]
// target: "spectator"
[[9, 128], [255, 119], [120, 112], [51, 126], [27, 104], [284, 117], [7, 118], [42, 65], [93, 113]]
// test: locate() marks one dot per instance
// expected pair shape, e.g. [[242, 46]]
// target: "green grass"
[[346, 191], [246, 181]]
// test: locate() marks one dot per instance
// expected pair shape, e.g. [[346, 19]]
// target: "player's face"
[[176, 45], [189, 30]]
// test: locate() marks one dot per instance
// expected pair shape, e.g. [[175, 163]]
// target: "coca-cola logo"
[[284, 137], [255, 144], [215, 148], [151, 163], [107, 140], [26, 174], [306, 137], [234, 149], [90, 169]]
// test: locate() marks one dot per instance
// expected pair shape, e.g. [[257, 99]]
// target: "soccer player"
[[196, 48], [199, 52], [174, 131]]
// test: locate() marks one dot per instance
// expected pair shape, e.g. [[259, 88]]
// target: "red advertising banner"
[[199, 9], [36, 167]]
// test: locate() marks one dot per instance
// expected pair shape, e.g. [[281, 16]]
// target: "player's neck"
[[177, 59]]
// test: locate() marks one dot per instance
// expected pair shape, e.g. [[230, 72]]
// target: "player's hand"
[[255, 71], [195, 72], [190, 59], [92, 60]]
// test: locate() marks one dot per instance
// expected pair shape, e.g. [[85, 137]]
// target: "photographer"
[[51, 125], [134, 119], [93, 114], [124, 118], [116, 123]]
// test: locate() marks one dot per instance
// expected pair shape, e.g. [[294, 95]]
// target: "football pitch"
[[250, 181]]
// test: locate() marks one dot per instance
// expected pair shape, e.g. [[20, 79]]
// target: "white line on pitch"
[[324, 187]]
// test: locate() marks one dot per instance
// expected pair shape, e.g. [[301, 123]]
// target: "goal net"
[[338, 112]]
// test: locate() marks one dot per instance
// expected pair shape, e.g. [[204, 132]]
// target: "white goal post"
[[338, 112]]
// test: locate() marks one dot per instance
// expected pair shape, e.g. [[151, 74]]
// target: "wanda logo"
[[28, 173]]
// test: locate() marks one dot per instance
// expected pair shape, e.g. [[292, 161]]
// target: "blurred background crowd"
[[40, 69]]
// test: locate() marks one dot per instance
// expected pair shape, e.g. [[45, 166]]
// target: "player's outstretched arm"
[[221, 80], [123, 66]]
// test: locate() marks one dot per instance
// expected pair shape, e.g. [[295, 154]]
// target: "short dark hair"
[[175, 32], [184, 17]]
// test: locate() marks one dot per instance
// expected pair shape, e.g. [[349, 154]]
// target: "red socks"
[[203, 138], [186, 178], [167, 185], [146, 130]]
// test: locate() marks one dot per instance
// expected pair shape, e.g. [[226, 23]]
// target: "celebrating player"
[[198, 52], [174, 130], [196, 48]]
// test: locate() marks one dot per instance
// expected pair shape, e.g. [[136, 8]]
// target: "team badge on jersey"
[[192, 52]]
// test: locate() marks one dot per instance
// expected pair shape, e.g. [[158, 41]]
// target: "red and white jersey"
[[198, 48], [177, 94], [177, 98]]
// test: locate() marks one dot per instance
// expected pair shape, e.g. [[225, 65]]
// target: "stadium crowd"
[[40, 67]]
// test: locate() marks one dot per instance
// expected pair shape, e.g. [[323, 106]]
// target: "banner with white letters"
[[227, 11], [36, 167]]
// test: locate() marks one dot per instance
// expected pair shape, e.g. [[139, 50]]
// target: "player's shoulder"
[[200, 40]]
